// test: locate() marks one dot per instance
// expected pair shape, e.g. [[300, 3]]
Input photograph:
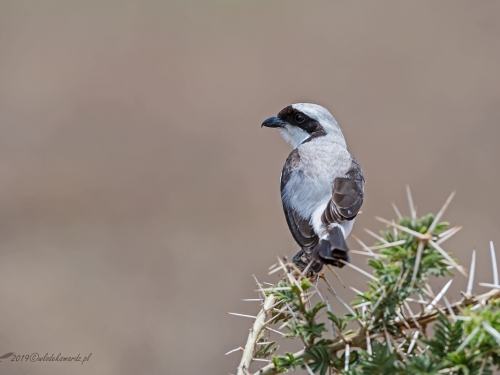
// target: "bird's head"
[[301, 121]]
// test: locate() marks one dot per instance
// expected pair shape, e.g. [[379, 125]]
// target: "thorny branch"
[[358, 338], [406, 256], [254, 335]]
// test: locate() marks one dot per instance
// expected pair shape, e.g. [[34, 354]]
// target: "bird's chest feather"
[[311, 179]]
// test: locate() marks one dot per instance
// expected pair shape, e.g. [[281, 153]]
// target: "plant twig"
[[358, 338], [253, 336]]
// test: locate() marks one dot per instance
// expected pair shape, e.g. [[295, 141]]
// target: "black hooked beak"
[[274, 122]]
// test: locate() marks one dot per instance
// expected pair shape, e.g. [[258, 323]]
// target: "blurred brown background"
[[138, 192]]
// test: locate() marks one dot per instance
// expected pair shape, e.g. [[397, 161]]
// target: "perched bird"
[[321, 184]]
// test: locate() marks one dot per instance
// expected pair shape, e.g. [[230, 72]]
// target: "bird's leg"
[[301, 260]]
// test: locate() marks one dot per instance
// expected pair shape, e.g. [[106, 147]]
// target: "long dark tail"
[[334, 249]]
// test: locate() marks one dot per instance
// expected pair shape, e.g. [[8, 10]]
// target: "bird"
[[322, 185]]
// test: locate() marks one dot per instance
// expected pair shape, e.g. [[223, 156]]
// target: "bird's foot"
[[301, 260]]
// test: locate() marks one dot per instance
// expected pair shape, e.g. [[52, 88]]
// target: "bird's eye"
[[299, 118]]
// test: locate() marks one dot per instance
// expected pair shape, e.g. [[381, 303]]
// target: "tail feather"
[[334, 249]]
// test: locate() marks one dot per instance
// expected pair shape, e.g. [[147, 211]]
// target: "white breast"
[[311, 182]]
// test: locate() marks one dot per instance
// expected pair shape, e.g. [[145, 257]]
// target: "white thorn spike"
[[337, 297], [273, 330], [262, 295], [308, 300], [439, 296], [467, 339], [277, 269], [401, 344], [402, 279], [412, 315], [274, 265], [418, 258], [274, 289], [404, 229], [329, 308], [417, 301], [431, 293], [475, 307], [357, 291], [382, 296], [413, 341], [234, 350], [291, 311], [368, 343], [274, 317], [302, 276], [413, 213], [471, 274], [333, 291], [487, 285], [381, 239], [396, 210], [402, 318], [386, 245], [480, 339], [341, 335], [375, 255], [346, 363], [317, 289], [440, 213], [242, 315], [448, 258], [428, 294], [335, 274], [345, 305], [492, 331], [304, 272], [361, 243], [494, 263], [359, 270], [292, 279], [448, 235], [450, 309]]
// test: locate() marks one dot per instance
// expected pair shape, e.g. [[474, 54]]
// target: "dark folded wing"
[[347, 196], [300, 228]]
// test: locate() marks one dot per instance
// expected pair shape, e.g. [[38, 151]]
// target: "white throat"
[[293, 135]]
